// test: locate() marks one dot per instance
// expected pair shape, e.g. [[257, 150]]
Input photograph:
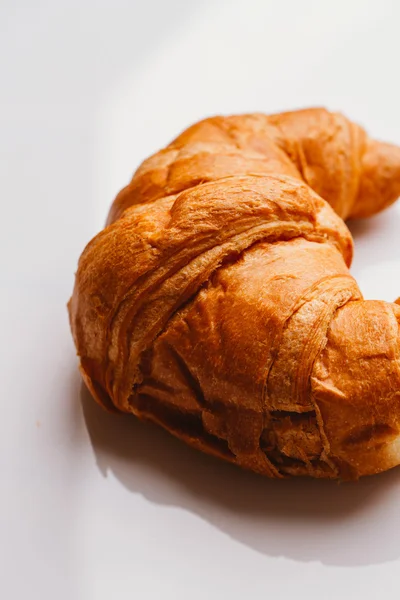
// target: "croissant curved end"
[[380, 179]]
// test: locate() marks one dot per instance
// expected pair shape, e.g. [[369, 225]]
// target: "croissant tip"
[[380, 179]]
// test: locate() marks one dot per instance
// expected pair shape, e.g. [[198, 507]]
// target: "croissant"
[[218, 302]]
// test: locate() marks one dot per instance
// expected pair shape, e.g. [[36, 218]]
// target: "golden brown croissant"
[[218, 301]]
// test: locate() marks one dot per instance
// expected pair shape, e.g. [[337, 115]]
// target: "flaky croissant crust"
[[218, 302]]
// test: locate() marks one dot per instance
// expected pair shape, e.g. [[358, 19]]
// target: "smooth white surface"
[[92, 506]]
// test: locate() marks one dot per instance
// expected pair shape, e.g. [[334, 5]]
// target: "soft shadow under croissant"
[[218, 302]]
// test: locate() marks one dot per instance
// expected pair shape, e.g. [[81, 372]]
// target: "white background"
[[93, 506]]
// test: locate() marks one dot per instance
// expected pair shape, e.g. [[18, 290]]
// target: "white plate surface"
[[93, 506]]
